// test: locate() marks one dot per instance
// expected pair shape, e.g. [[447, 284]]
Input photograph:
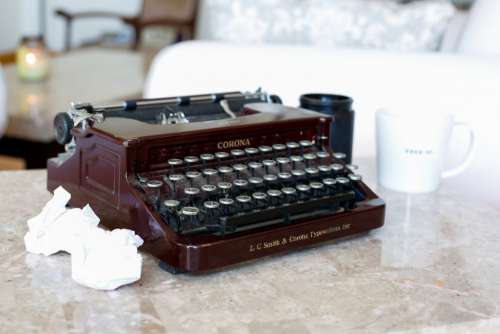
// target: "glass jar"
[[32, 59]]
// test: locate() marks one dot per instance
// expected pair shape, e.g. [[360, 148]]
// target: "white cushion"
[[482, 32], [465, 86], [380, 24]]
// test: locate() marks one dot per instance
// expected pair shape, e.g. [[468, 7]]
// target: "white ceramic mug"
[[411, 150]]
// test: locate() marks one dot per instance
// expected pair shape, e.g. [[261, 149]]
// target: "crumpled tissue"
[[100, 259]]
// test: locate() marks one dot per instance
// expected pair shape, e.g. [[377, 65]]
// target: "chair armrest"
[[91, 14]]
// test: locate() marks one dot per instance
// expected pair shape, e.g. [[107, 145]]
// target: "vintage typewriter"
[[212, 180]]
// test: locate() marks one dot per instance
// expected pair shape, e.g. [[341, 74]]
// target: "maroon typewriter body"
[[103, 171]]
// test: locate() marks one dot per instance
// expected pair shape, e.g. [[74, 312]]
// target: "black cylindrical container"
[[340, 107]]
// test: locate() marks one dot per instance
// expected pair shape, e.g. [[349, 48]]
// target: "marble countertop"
[[434, 268]]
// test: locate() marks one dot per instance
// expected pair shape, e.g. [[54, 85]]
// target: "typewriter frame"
[[101, 170]]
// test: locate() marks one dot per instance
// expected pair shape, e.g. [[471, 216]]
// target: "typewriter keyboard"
[[242, 189]]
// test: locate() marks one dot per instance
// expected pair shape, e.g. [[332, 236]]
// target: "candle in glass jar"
[[32, 59]]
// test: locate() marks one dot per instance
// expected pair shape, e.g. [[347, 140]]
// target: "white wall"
[[21, 17], [9, 24]]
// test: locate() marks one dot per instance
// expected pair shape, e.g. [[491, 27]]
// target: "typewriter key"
[[270, 178], [192, 191], [191, 214], [292, 146], [343, 182], [317, 188], [304, 191], [274, 196], [224, 171], [255, 182], [311, 171], [205, 157], [309, 157], [171, 205], [192, 176], [209, 172], [174, 178], [324, 169], [322, 155], [237, 153], [244, 202], [305, 144], [290, 194], [254, 165], [155, 186], [174, 163], [284, 176], [208, 189], [298, 174], [238, 168], [142, 179], [224, 187], [296, 159], [240, 185], [279, 147], [352, 168], [221, 155], [337, 168], [265, 149], [251, 151], [355, 177], [339, 155], [212, 208], [260, 199], [268, 163], [282, 161], [191, 159], [226, 205]]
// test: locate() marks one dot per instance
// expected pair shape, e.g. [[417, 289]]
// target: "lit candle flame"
[[30, 58]]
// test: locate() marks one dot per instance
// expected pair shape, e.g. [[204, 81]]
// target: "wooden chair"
[[177, 14]]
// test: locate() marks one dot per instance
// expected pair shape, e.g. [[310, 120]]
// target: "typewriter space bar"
[[286, 213]]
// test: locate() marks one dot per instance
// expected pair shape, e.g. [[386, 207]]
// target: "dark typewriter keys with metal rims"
[[226, 205], [295, 160], [255, 182], [240, 186], [305, 144], [209, 173], [291, 145], [192, 193], [322, 155], [155, 186], [251, 151], [174, 163], [237, 153], [142, 179], [174, 178], [312, 172], [238, 168], [191, 159], [309, 157], [221, 155], [209, 190], [268, 164], [304, 191], [344, 182], [279, 148], [224, 187], [244, 202], [254, 165], [211, 208], [284, 177], [298, 174], [290, 194], [260, 199], [336, 168], [324, 169], [270, 179], [225, 171], [264, 149], [355, 177], [339, 155], [282, 162], [207, 157], [191, 214], [330, 185], [192, 176], [274, 196], [352, 168], [172, 205], [317, 188]]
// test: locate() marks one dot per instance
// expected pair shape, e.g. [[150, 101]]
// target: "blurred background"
[[442, 54]]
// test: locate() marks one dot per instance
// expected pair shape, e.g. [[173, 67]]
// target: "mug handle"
[[469, 156]]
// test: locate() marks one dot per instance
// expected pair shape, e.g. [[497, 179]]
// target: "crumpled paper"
[[100, 259]]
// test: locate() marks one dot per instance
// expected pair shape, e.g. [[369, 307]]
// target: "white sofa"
[[465, 85]]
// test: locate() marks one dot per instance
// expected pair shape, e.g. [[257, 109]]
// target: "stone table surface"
[[95, 75], [433, 268]]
